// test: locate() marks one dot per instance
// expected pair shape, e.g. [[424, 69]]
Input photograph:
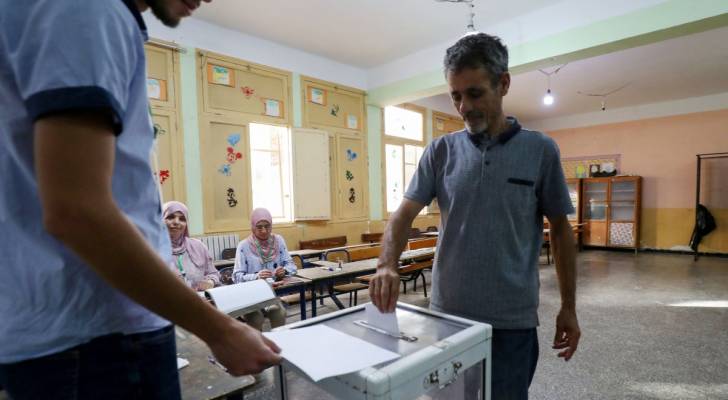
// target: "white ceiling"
[[689, 66], [362, 33]]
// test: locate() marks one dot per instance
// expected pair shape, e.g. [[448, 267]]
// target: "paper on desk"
[[387, 321], [322, 352], [235, 297], [182, 362]]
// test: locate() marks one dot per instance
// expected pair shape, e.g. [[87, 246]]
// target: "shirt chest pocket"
[[520, 196]]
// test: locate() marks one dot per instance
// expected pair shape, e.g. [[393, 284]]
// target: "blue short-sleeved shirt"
[[492, 194], [60, 55]]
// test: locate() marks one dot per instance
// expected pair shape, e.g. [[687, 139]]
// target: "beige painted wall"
[[663, 150]]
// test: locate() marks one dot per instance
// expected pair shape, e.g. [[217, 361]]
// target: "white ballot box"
[[440, 357]]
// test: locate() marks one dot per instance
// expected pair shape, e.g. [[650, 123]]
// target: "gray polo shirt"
[[492, 194], [61, 55]]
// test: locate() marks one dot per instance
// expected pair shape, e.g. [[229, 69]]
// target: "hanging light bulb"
[[548, 99]]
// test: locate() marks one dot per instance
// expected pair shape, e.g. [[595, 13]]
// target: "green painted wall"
[[374, 148], [191, 129]]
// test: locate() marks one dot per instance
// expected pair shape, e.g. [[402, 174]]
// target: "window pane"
[[395, 184], [403, 123], [270, 170]]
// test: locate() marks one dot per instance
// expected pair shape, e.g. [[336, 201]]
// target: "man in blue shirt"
[[86, 295], [494, 182]]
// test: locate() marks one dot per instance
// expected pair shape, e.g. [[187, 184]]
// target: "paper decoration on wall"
[[248, 91], [352, 195], [163, 175], [231, 200], [317, 96], [349, 175], [439, 124], [350, 155], [158, 130], [335, 110], [225, 170], [273, 108], [580, 171], [233, 139], [352, 122], [218, 75], [233, 155], [157, 89]]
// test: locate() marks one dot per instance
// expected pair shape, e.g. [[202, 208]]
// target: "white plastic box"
[[449, 360]]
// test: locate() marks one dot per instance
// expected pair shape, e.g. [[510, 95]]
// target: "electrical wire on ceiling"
[[548, 98], [605, 94], [471, 15]]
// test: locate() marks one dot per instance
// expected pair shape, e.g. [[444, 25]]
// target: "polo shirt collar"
[[132, 6], [513, 128]]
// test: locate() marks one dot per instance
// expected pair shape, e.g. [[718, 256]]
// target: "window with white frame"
[[270, 166], [403, 147]]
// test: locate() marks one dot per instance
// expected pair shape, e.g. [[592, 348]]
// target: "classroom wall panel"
[[442, 124], [162, 88], [226, 174], [662, 150], [352, 177], [311, 170]]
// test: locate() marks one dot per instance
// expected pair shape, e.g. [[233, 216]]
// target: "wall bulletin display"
[[219, 75], [273, 108], [317, 95], [241, 88], [352, 122], [226, 174], [162, 85], [585, 167], [157, 89]]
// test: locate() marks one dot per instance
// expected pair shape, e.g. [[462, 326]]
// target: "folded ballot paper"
[[239, 299], [322, 352]]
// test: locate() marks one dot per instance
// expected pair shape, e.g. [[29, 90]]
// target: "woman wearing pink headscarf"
[[263, 255], [191, 259]]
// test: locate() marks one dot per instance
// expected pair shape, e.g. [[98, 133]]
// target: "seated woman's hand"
[[204, 285], [263, 274], [280, 272]]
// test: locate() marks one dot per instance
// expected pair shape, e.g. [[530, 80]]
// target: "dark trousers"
[[138, 366], [514, 359]]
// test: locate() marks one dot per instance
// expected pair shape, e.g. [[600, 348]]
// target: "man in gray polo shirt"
[[85, 293], [494, 182]]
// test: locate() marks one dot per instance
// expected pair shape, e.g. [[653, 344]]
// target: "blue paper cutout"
[[350, 155], [225, 169], [233, 139]]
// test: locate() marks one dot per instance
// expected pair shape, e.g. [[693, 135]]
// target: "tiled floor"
[[635, 345]]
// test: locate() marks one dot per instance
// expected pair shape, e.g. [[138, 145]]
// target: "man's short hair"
[[477, 50]]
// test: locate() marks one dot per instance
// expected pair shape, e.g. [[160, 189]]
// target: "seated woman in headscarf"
[[191, 259], [263, 255]]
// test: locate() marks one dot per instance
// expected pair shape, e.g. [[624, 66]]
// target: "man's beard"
[[162, 13]]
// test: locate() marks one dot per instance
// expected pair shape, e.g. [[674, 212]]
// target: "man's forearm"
[[394, 241], [562, 241], [132, 266]]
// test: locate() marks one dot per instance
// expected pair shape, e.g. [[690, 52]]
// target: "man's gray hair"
[[477, 50]]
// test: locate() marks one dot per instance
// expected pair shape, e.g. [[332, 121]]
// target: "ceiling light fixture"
[[548, 98], [471, 15], [604, 95]]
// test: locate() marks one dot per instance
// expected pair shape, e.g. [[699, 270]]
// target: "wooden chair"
[[422, 244], [298, 260], [415, 233], [323, 243], [352, 288], [371, 237], [411, 272], [228, 253], [226, 276], [547, 245], [364, 253]]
